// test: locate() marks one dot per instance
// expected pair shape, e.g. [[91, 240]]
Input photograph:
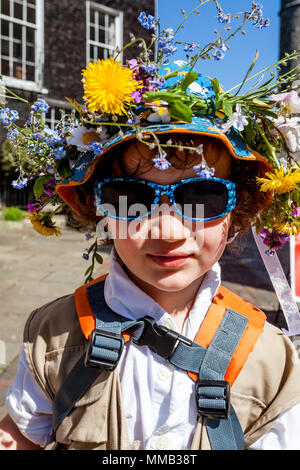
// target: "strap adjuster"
[[213, 398], [105, 349], [159, 339]]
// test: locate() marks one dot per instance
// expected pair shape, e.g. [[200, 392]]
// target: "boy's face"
[[164, 252]]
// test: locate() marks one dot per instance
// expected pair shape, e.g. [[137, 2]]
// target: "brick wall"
[[65, 47], [65, 40], [290, 29]]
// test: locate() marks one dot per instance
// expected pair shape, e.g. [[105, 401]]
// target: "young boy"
[[168, 270], [158, 355]]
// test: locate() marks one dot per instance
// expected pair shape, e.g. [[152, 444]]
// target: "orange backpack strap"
[[85, 314], [223, 299], [226, 299]]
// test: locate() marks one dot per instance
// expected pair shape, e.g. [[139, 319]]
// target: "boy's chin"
[[175, 282]]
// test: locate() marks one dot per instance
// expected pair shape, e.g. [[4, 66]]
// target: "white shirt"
[[170, 421]]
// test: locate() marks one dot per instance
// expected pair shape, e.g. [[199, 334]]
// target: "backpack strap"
[[222, 300], [213, 391], [207, 360]]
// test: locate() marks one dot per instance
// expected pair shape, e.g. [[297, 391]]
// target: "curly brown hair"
[[250, 200]]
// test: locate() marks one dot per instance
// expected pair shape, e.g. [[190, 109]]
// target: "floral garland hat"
[[150, 95]]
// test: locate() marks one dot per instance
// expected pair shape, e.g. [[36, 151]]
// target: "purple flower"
[[133, 64], [85, 256], [203, 172], [137, 96], [296, 212], [143, 73], [274, 240], [48, 192], [161, 163], [33, 207]]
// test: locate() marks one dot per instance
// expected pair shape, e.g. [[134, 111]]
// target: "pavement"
[[37, 269]]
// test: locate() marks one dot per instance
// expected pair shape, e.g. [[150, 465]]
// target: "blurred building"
[[290, 29], [45, 44]]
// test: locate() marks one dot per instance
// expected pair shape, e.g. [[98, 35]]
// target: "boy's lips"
[[170, 259]]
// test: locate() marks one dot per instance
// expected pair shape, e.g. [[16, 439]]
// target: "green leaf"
[[156, 96], [189, 78], [39, 185], [226, 106], [248, 73], [99, 258], [89, 279], [89, 270], [63, 168], [91, 248], [75, 105], [216, 87], [180, 111], [250, 133]]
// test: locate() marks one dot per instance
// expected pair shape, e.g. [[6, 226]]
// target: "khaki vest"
[[268, 385]]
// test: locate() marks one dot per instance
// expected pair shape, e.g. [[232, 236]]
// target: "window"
[[104, 31], [56, 112], [21, 43]]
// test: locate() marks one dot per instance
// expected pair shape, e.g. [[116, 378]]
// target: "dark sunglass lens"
[[126, 199], [207, 198]]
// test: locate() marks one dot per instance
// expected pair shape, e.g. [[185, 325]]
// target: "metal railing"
[[14, 197]]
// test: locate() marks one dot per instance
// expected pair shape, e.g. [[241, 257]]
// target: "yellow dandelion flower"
[[43, 224], [108, 86], [291, 228], [279, 182]]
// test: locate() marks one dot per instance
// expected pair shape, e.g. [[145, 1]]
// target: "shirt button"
[[161, 443], [164, 374]]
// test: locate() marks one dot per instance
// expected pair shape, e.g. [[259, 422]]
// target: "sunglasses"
[[189, 197]]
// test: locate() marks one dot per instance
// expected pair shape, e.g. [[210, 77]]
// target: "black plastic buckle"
[[212, 412], [91, 361], [160, 339]]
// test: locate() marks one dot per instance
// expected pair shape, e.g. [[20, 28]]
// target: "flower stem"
[[269, 146], [16, 96], [292, 56], [130, 44], [191, 13], [58, 208]]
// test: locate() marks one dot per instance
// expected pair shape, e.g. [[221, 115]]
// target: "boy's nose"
[[164, 199], [166, 223]]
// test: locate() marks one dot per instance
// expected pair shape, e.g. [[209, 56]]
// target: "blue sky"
[[199, 29]]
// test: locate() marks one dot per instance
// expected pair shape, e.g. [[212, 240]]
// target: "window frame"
[[20, 83], [55, 104], [118, 25]]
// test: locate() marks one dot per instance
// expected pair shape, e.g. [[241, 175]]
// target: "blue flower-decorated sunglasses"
[[215, 196]]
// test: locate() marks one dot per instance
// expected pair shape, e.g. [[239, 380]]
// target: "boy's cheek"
[[214, 237]]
